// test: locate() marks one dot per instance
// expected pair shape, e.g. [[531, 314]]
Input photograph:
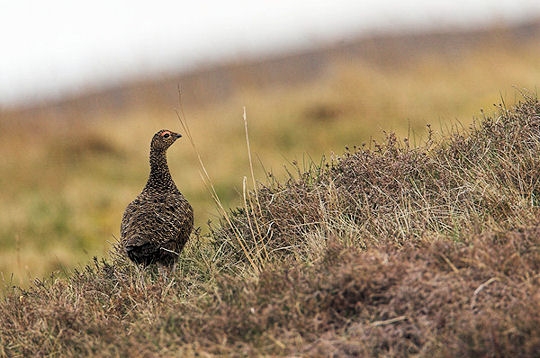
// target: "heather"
[[388, 249]]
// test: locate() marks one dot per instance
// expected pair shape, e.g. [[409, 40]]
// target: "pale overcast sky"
[[59, 46]]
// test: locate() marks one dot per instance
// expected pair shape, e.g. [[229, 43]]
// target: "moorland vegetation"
[[419, 238], [387, 250]]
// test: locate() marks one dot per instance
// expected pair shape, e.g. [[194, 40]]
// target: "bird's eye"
[[166, 135]]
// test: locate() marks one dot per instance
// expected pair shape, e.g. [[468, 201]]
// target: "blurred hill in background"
[[69, 167], [215, 83]]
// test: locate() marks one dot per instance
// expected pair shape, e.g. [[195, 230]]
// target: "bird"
[[158, 222]]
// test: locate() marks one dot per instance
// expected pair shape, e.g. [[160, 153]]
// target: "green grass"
[[388, 250]]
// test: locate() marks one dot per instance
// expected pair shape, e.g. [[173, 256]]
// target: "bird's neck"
[[160, 177]]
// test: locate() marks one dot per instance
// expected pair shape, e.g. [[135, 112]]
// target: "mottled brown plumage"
[[157, 224]]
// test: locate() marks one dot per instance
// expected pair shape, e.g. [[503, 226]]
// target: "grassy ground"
[[393, 250]]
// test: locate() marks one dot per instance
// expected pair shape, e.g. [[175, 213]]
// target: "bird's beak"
[[178, 135]]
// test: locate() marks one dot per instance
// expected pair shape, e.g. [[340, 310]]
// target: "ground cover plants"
[[390, 249]]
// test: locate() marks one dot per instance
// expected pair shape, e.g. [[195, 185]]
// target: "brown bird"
[[157, 224]]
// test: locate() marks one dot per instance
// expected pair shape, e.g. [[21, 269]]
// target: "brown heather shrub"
[[390, 251], [393, 192], [439, 298]]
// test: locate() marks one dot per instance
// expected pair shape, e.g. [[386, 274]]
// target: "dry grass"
[[392, 250], [487, 176]]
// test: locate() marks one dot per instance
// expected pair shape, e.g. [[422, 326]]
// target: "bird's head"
[[164, 139]]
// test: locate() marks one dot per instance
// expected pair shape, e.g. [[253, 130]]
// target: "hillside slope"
[[389, 250]]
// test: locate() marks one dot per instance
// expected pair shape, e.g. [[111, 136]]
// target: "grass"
[[387, 250]]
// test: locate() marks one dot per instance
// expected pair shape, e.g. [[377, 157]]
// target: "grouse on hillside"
[[157, 224]]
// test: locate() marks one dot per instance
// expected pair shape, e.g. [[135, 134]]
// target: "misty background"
[[57, 48]]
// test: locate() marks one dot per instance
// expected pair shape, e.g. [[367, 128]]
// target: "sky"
[[60, 47]]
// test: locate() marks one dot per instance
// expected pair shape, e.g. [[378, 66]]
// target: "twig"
[[480, 288], [454, 268], [389, 321], [171, 251]]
